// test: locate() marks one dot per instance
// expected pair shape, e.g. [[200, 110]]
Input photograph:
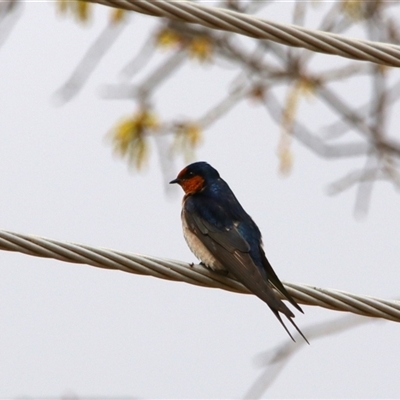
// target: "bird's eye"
[[190, 174]]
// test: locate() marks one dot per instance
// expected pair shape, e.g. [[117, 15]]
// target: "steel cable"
[[194, 274], [260, 28]]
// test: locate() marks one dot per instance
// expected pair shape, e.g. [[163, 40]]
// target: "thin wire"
[[253, 26], [194, 274]]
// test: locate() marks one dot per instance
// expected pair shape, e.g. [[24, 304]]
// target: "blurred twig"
[[90, 61], [273, 361], [10, 12], [264, 68]]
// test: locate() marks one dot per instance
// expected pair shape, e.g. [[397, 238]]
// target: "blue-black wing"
[[231, 249]]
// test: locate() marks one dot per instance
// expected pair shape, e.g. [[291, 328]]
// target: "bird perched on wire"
[[224, 237]]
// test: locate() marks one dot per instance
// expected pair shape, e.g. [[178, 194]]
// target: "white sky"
[[75, 329]]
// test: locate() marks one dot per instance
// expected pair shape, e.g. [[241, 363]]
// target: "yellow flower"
[[193, 134], [306, 87], [79, 9], [129, 137], [62, 6], [285, 154], [201, 48], [303, 86], [168, 38], [117, 15], [354, 9], [188, 137]]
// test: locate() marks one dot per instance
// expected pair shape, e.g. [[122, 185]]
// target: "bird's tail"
[[290, 318], [274, 280]]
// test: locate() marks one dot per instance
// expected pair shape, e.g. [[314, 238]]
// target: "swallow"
[[225, 239]]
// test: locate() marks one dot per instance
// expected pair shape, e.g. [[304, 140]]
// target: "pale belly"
[[199, 250]]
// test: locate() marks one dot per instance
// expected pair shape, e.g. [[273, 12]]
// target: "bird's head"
[[195, 177]]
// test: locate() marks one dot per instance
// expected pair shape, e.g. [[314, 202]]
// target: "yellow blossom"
[[168, 38], [285, 154], [188, 137], [353, 9], [129, 137], [117, 15], [200, 48], [62, 6], [303, 86], [306, 87], [79, 9]]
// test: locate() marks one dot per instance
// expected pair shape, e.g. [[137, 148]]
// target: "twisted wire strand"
[[194, 274], [253, 26]]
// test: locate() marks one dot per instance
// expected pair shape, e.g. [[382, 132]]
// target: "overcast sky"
[[76, 329]]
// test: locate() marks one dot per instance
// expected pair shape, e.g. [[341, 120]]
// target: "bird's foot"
[[205, 265]]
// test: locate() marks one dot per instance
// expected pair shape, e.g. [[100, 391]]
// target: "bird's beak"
[[177, 180]]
